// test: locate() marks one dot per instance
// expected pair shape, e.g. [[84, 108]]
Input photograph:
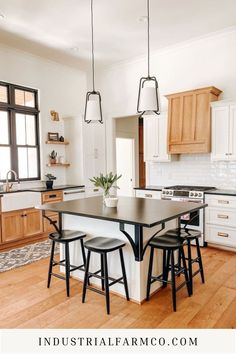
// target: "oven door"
[[194, 220]]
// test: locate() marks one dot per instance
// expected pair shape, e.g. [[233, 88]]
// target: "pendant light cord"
[[148, 35], [92, 46]]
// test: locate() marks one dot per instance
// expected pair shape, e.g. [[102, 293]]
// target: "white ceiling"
[[52, 27]]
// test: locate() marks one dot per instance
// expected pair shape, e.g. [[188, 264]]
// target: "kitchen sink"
[[13, 201]]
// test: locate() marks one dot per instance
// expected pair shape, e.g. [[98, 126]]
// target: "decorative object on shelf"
[[62, 139], [49, 181], [53, 157], [61, 159], [148, 86], [93, 107], [53, 137], [106, 182], [54, 116]]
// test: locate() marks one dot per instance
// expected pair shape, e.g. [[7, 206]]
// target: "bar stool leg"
[[200, 261], [173, 280], [102, 272], [149, 273], [124, 273], [167, 268], [106, 283], [179, 261], [164, 268], [86, 277], [190, 271], [67, 263], [83, 251], [181, 252], [51, 264]]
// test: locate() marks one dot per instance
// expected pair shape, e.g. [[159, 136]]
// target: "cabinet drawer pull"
[[222, 234], [148, 195], [155, 155], [221, 216], [52, 196], [223, 201], [96, 190], [67, 193]]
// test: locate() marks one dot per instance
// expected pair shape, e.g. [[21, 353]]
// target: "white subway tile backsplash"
[[195, 170]]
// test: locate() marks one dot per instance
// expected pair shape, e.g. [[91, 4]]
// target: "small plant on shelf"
[[49, 181], [53, 156], [106, 182]]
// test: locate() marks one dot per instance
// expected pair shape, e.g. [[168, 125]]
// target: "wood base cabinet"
[[189, 120], [21, 223]]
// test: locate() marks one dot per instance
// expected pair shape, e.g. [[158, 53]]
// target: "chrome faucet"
[[9, 185]]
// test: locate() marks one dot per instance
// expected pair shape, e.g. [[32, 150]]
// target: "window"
[[19, 132]]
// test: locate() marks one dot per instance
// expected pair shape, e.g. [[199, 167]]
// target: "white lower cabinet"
[[145, 193], [221, 220]]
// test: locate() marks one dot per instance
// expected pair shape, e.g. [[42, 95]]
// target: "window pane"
[[30, 130], [20, 129], [25, 129], [5, 164], [4, 134], [27, 162], [24, 98], [22, 162], [33, 165], [3, 94]]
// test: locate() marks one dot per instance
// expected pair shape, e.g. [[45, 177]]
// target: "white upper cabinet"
[[223, 131], [155, 138]]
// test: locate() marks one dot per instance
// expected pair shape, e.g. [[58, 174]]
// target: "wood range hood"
[[189, 120]]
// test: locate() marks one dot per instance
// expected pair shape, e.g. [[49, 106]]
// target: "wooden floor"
[[27, 303]]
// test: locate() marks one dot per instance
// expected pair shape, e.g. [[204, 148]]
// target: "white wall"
[[203, 62], [60, 88]]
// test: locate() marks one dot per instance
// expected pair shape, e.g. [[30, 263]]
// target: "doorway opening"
[[129, 154]]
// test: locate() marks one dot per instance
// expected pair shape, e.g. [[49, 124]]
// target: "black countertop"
[[44, 189], [222, 192], [150, 188], [231, 192], [130, 210]]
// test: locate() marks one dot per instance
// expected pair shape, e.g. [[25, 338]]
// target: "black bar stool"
[[65, 237], [168, 244], [104, 245], [190, 235]]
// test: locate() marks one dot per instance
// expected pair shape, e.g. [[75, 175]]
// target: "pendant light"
[[93, 108], [148, 86]]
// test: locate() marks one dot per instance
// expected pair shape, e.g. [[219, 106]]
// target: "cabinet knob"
[[221, 216]]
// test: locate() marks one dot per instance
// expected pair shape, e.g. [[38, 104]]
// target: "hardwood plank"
[[27, 303]]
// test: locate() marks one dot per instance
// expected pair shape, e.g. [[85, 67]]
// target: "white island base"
[[136, 271]]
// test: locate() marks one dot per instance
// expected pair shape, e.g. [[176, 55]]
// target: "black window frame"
[[12, 109]]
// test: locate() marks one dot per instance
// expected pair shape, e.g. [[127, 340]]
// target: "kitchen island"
[[137, 220]]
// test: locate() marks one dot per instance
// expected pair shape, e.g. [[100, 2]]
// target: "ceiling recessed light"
[[2, 16], [143, 19]]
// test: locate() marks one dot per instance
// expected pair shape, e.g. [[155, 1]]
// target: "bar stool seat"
[[104, 245], [169, 244], [65, 237], [184, 232], [190, 235]]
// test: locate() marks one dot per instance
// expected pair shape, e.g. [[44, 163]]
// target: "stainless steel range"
[[195, 220]]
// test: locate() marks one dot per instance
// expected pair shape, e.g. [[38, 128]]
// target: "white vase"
[[111, 202]]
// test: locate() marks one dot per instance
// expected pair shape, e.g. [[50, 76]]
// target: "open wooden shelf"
[[58, 164], [57, 142]]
